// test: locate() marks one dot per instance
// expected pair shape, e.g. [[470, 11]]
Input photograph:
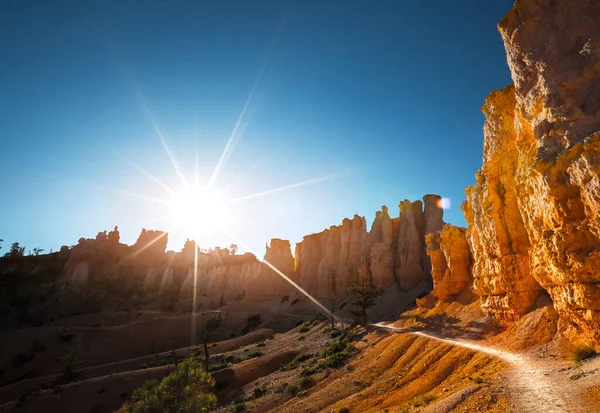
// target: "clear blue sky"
[[386, 93]]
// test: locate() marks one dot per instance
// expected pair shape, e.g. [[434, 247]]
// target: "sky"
[[365, 102]]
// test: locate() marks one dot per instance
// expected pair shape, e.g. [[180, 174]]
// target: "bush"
[[181, 391], [335, 360], [254, 354], [292, 390], [261, 344], [336, 347], [218, 366], [308, 371], [306, 382], [259, 392], [300, 358], [240, 407], [304, 328], [344, 410], [583, 353]]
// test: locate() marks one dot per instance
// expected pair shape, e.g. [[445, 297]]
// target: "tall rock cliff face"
[[497, 235], [450, 260], [534, 221], [393, 251]]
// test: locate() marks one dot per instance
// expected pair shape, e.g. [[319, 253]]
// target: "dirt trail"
[[532, 385]]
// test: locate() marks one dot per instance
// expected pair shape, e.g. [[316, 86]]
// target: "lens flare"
[[444, 203]]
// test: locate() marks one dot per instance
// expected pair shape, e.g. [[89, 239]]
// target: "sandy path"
[[532, 385]]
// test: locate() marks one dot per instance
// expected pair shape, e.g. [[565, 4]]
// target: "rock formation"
[[450, 261], [496, 233], [325, 263], [411, 243], [393, 251], [534, 215], [279, 255]]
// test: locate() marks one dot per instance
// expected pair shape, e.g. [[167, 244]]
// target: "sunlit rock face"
[[533, 216], [450, 261], [393, 251], [497, 234]]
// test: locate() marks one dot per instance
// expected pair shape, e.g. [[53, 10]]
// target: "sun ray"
[[285, 188], [228, 145], [142, 170], [281, 274], [145, 197], [145, 247], [161, 136]]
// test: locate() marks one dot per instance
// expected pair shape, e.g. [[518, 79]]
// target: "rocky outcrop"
[[411, 243], [450, 261], [279, 255], [533, 216], [381, 249], [393, 250]]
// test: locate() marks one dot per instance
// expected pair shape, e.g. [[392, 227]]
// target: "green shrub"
[[344, 410], [335, 360], [261, 344], [304, 328], [292, 390], [240, 407], [583, 353], [301, 338], [218, 366], [181, 391], [306, 382], [254, 354], [336, 347], [308, 371], [259, 392]]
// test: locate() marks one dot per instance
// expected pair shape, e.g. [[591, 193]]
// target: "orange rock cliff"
[[533, 215]]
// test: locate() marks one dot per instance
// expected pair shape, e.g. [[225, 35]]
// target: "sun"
[[198, 210]]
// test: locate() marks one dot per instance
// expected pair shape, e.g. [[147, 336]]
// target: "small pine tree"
[[182, 391], [72, 359], [364, 295], [15, 251], [334, 305], [211, 326]]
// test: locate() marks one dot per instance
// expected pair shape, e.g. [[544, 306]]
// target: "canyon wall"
[[325, 264], [533, 215], [393, 251]]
